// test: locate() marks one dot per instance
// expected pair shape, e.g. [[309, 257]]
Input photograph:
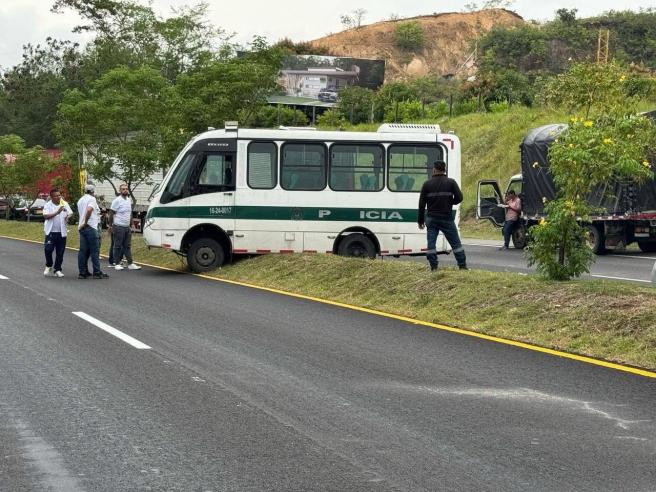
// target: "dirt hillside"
[[448, 42]]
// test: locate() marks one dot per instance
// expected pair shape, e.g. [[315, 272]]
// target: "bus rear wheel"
[[204, 255], [357, 245]]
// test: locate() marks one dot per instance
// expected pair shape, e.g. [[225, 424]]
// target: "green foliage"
[[331, 119], [24, 167], [356, 104], [409, 36], [272, 117], [122, 122], [226, 89], [589, 86], [558, 245], [289, 47]]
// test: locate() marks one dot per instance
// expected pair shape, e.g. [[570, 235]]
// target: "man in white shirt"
[[56, 213], [120, 216], [89, 212]]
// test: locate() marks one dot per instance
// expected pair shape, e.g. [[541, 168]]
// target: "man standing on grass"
[[56, 213], [439, 194], [89, 212], [120, 216], [513, 206]]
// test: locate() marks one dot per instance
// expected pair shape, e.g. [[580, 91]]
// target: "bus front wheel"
[[204, 255], [357, 245]]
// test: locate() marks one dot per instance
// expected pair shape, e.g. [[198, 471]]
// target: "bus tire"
[[595, 239], [205, 254], [647, 247], [519, 237], [357, 245]]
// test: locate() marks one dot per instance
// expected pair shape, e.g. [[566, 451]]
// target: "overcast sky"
[[30, 21]]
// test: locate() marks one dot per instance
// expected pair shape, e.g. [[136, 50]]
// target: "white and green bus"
[[292, 190]]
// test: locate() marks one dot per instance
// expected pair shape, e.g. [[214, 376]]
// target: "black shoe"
[[433, 269], [100, 275], [463, 267], [83, 276]]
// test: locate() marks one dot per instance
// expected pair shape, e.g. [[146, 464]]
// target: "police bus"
[[298, 190]]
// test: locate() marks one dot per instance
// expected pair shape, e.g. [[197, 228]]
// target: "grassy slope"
[[610, 320]]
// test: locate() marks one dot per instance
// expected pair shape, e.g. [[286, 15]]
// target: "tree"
[[229, 88], [610, 144], [354, 19], [123, 123], [409, 36], [356, 104], [21, 167]]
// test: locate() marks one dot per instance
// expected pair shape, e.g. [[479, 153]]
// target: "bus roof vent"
[[231, 126], [295, 128], [408, 128]]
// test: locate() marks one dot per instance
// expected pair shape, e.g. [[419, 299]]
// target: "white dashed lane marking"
[[112, 331]]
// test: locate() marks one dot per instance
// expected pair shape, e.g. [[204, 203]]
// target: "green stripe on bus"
[[287, 213]]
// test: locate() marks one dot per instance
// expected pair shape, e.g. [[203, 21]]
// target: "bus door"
[[212, 189]]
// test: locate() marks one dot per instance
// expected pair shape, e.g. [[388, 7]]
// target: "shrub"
[[409, 36]]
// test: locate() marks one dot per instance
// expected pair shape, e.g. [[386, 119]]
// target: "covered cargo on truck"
[[612, 198]]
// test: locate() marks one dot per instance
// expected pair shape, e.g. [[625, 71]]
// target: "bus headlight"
[[149, 222]]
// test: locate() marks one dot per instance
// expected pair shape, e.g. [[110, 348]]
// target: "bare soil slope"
[[449, 38]]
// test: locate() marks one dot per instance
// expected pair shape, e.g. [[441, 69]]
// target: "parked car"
[[15, 208], [35, 212], [328, 94]]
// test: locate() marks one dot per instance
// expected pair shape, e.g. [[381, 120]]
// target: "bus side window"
[[303, 167], [356, 167], [175, 188], [262, 165], [410, 166]]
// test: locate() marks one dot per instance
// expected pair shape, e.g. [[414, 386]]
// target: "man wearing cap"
[[56, 213], [120, 216], [89, 212], [438, 196]]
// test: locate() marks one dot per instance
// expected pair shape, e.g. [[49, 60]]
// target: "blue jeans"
[[450, 231], [508, 229], [89, 247], [55, 243]]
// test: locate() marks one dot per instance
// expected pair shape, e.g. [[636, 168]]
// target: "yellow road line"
[[437, 326]]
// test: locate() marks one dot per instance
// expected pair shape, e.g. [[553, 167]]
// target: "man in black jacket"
[[439, 194]]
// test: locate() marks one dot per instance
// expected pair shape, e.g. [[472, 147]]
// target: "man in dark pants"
[[439, 194], [88, 211], [120, 216], [513, 206], [56, 213]]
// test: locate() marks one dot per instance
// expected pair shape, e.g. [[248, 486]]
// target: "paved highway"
[[633, 266], [208, 386]]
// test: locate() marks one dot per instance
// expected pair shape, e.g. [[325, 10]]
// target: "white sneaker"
[[47, 272], [119, 267], [59, 274], [111, 265], [132, 266]]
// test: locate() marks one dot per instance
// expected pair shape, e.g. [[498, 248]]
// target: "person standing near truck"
[[438, 196], [89, 213], [120, 216], [55, 213], [513, 206]]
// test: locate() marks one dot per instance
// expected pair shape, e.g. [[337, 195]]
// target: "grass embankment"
[[610, 320]]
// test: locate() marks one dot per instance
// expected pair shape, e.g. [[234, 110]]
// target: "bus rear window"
[[410, 166]]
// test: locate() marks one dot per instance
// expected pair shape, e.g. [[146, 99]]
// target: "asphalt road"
[[242, 389], [634, 266]]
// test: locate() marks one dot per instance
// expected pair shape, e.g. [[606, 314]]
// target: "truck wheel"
[[595, 239], [204, 255], [357, 245], [647, 247], [519, 237]]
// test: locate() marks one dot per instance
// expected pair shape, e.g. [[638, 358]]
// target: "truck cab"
[[489, 205]]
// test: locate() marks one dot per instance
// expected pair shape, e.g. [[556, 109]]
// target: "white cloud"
[[30, 21]]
